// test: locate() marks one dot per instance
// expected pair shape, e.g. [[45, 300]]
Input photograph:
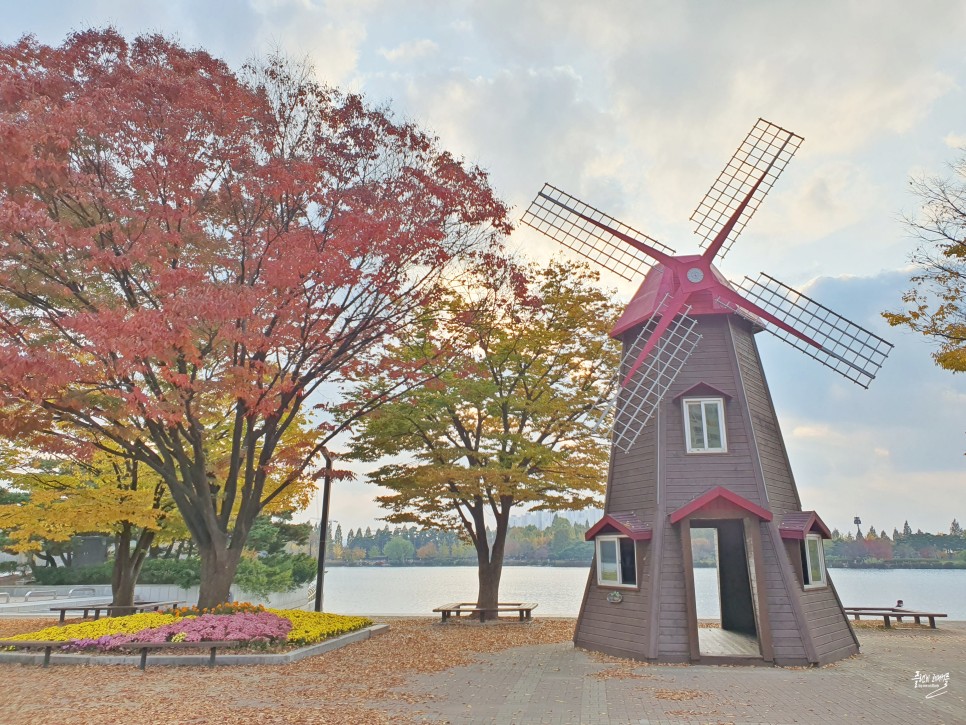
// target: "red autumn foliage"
[[187, 254]]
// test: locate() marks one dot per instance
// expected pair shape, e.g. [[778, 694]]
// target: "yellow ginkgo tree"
[[70, 495]]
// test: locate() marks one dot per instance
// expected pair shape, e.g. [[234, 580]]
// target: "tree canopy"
[[184, 249], [504, 420], [936, 306]]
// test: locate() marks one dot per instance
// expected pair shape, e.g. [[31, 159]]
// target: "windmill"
[[696, 442]]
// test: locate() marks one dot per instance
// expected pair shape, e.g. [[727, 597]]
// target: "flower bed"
[[249, 625]]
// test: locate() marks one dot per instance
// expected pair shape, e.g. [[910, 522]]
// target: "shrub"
[[100, 574]]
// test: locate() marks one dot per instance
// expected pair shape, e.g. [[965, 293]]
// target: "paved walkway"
[[558, 685]]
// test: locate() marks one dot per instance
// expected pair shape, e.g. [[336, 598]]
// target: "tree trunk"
[[488, 595], [218, 567], [127, 564], [490, 560]]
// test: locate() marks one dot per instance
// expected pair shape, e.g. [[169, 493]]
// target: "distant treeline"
[[906, 549], [563, 543]]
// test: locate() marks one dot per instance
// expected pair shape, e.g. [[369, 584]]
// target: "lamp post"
[[858, 523]]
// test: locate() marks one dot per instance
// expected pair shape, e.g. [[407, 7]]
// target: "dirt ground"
[[340, 688]]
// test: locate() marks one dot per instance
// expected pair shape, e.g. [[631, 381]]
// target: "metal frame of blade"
[[638, 401], [766, 145], [849, 349], [556, 214]]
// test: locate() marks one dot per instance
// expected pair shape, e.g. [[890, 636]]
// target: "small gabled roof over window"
[[702, 390], [626, 524], [723, 494], [796, 524]]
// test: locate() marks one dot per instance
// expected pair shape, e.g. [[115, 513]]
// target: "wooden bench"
[[112, 610], [142, 647], [889, 613], [46, 645], [525, 610]]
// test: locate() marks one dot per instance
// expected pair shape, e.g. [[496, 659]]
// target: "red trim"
[[796, 524], [626, 524], [720, 492]]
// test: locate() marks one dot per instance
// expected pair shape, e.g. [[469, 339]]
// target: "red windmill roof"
[[662, 281]]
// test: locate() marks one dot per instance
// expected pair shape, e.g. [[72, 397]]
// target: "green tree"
[[955, 529], [936, 306], [399, 550], [504, 420]]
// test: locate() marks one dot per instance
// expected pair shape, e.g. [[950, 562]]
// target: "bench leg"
[[47, 656], [917, 620], [932, 622], [63, 615], [211, 659], [144, 658], [888, 624]]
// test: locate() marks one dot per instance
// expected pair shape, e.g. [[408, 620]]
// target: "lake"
[[416, 590]]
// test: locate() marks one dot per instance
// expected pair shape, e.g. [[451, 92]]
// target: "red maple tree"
[[188, 254]]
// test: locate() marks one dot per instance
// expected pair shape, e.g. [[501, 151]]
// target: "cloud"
[[410, 50], [635, 107], [955, 141], [892, 452]]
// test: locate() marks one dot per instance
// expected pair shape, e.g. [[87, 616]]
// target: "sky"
[[634, 106]]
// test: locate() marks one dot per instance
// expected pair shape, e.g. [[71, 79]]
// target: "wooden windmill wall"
[[689, 345], [656, 478]]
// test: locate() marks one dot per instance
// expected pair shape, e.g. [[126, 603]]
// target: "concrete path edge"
[[284, 658]]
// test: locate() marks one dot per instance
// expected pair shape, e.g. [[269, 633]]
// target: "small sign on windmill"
[[696, 442]]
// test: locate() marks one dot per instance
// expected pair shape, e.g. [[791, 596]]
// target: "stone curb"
[[284, 658]]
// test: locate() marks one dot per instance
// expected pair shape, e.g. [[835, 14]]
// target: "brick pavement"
[[559, 685]]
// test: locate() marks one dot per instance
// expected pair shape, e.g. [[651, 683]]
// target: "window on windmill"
[[704, 427], [813, 561], [616, 561]]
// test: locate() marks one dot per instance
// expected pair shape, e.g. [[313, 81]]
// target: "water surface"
[[417, 590]]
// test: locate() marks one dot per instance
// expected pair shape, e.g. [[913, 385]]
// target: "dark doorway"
[[736, 633]]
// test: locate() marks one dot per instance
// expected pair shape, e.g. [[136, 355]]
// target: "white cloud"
[[409, 50]]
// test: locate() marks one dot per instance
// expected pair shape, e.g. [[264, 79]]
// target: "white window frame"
[[719, 402], [620, 573], [807, 560]]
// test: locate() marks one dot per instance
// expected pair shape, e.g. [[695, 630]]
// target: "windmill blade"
[[638, 400], [763, 155], [847, 348], [562, 218]]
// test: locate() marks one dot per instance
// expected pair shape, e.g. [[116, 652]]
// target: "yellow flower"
[[312, 627], [131, 624]]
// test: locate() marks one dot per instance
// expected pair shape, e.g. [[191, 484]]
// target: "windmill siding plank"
[[786, 629], [830, 626], [779, 483]]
